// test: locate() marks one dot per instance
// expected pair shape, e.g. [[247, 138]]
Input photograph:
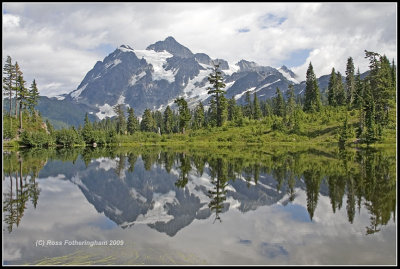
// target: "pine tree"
[[22, 96], [132, 125], [33, 97], [332, 88], [358, 90], [184, 113], [168, 120], [340, 93], [257, 110], [216, 79], [121, 120], [147, 124], [279, 104], [248, 108], [158, 119], [8, 78], [312, 100], [198, 121], [350, 82], [290, 105], [17, 74]]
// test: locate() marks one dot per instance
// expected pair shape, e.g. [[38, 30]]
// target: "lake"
[[213, 206]]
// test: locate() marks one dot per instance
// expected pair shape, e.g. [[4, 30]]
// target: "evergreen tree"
[[33, 97], [8, 78], [168, 120], [184, 113], [147, 124], [17, 74], [217, 93], [22, 96], [290, 105], [121, 120], [257, 110], [158, 119], [332, 86], [248, 108], [132, 124], [340, 93], [350, 82], [87, 131], [358, 90], [312, 101], [279, 104], [198, 121]]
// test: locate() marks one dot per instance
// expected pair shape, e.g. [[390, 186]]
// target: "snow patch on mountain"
[[288, 76], [105, 111], [268, 84], [113, 63], [238, 96], [233, 68], [75, 94], [135, 78], [158, 60]]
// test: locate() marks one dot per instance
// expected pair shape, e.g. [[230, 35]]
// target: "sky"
[[58, 43]]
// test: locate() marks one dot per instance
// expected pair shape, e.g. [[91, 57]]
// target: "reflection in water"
[[171, 200]]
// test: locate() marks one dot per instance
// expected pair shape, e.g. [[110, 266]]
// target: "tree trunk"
[[20, 115]]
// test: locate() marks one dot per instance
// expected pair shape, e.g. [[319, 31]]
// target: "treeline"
[[370, 98], [25, 99]]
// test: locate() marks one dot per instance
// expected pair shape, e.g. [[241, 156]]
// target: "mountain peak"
[[172, 46], [287, 70]]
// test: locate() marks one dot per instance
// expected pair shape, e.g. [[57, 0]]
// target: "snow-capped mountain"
[[153, 78]]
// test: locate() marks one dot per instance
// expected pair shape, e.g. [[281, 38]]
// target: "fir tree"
[[248, 108], [22, 96], [8, 78], [340, 93], [312, 100], [350, 82], [279, 104], [184, 113], [33, 97], [17, 74], [290, 105], [168, 120], [132, 124], [257, 110], [217, 93], [358, 90], [332, 86], [198, 121], [147, 124], [121, 121]]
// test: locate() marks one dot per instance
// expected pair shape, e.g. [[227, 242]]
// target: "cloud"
[[59, 43]]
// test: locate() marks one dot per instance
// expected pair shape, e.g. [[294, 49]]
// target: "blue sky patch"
[[273, 250], [297, 58], [244, 30], [271, 20], [104, 48]]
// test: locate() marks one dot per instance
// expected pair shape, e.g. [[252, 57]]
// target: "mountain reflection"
[[167, 189]]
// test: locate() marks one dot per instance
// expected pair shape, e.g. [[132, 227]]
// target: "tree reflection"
[[22, 187], [352, 179]]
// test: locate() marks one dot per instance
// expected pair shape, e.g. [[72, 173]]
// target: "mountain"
[[153, 78]]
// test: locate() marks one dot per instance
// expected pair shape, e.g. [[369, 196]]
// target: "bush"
[[36, 139]]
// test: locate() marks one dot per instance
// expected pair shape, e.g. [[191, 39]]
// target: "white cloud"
[[58, 42]]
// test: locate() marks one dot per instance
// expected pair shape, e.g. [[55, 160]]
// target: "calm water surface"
[[184, 206]]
